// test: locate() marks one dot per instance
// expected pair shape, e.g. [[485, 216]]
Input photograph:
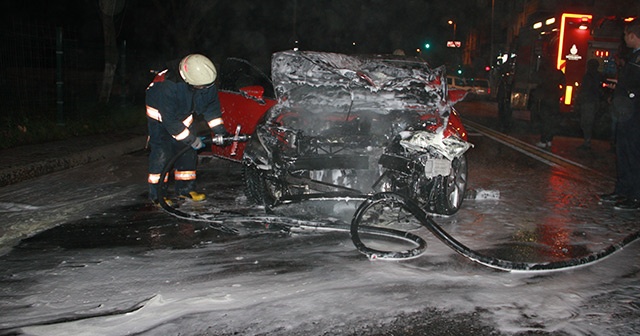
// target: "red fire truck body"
[[567, 41]]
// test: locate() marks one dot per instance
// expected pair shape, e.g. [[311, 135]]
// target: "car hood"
[[320, 82]]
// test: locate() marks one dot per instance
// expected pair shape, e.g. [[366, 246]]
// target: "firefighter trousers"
[[163, 148]]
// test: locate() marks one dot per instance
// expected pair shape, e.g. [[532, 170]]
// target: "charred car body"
[[346, 126]]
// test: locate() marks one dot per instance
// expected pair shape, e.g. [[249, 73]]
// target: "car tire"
[[253, 184], [451, 191], [260, 189]]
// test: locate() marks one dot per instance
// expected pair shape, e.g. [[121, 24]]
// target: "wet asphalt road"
[[100, 227]]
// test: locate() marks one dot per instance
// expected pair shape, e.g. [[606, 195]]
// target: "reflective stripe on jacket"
[[156, 115]]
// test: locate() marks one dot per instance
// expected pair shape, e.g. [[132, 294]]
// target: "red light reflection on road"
[[553, 230]]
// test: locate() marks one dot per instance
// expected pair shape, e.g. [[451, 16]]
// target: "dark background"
[[53, 56], [47, 45], [253, 29]]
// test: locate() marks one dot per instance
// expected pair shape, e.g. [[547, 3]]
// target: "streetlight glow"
[[451, 22]]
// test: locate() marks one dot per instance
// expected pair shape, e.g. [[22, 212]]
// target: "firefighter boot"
[[194, 196], [167, 200]]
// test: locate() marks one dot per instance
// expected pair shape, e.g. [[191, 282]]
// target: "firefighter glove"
[[197, 144]]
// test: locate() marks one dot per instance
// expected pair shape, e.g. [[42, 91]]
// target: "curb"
[[28, 171]]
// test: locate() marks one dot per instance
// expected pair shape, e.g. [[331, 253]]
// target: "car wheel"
[[260, 189], [253, 184], [450, 192]]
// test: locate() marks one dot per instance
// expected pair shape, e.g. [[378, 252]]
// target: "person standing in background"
[[626, 105], [550, 83], [505, 113], [589, 101]]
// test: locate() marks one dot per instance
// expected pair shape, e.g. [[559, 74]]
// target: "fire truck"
[[567, 41]]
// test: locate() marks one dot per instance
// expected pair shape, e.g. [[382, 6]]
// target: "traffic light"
[[427, 45]]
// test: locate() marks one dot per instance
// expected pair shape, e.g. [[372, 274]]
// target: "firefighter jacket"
[[174, 104]]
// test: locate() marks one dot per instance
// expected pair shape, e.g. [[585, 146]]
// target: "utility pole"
[[491, 58], [295, 24]]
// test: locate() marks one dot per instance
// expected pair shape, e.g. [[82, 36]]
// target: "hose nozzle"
[[220, 140]]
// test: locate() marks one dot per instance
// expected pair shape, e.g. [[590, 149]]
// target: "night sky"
[[157, 30]]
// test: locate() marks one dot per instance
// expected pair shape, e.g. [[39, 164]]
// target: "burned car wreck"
[[347, 126]]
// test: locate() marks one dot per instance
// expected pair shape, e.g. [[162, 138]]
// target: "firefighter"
[[175, 98]]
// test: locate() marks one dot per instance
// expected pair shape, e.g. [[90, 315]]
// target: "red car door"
[[244, 109]]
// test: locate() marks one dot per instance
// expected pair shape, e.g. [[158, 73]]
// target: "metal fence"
[[46, 74]]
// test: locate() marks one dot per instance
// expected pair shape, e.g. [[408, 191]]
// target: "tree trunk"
[[110, 48]]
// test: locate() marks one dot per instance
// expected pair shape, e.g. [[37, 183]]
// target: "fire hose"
[[217, 140], [217, 223], [427, 221], [392, 199]]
